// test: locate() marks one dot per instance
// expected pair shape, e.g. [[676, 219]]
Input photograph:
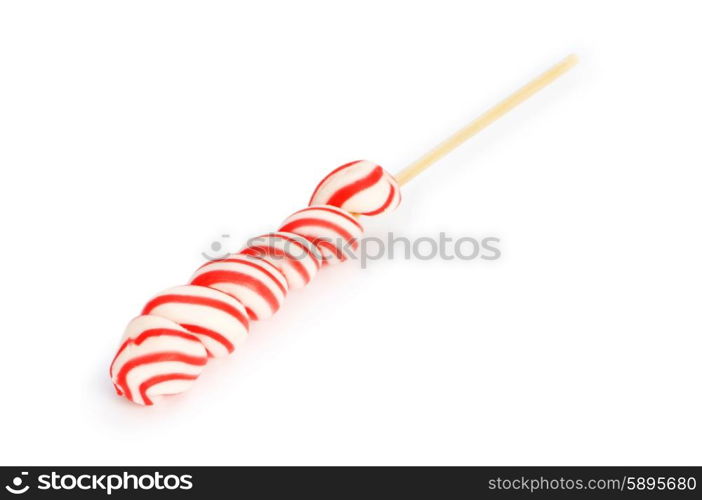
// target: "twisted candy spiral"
[[166, 348]]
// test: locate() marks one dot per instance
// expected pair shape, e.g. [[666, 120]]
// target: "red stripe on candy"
[[263, 251], [252, 315], [332, 248], [298, 244], [159, 379], [343, 194], [290, 227], [221, 276], [152, 332], [384, 205], [196, 301], [217, 337], [333, 210], [338, 169], [255, 266], [157, 357]]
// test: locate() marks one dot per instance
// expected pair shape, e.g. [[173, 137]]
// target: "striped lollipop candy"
[[165, 349]]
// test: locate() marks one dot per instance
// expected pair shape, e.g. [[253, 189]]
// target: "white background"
[[134, 134]]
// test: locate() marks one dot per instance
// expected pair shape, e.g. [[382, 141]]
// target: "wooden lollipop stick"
[[492, 114]]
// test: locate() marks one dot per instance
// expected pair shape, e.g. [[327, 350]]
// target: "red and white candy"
[[166, 348], [217, 319], [333, 230], [256, 283], [156, 357], [294, 256], [360, 187]]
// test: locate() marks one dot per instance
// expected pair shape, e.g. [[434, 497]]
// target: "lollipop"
[[165, 349]]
